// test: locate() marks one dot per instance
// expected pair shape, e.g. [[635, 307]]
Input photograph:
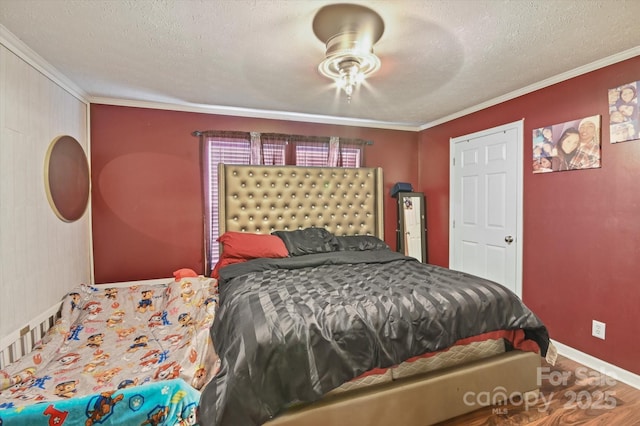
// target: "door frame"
[[519, 127]]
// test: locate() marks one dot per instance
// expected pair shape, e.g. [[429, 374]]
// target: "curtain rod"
[[198, 133]]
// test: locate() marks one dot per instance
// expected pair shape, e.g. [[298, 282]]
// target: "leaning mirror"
[[66, 178], [412, 230]]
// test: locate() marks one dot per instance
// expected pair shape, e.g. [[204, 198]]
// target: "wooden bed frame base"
[[426, 399]]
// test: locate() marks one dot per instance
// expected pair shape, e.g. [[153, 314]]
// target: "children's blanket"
[[171, 402], [108, 343]]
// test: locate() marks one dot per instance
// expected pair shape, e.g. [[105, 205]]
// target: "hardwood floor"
[[570, 394]]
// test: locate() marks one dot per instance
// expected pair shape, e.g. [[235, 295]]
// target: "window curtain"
[[313, 151], [217, 147], [273, 149], [348, 153], [268, 149]]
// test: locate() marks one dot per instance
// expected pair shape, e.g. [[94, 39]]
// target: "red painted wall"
[[147, 193], [581, 229]]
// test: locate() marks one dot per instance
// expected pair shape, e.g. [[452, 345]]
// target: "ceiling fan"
[[349, 32]]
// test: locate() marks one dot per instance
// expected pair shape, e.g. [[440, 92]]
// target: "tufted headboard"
[[262, 199]]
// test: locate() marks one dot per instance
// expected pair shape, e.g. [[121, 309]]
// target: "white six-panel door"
[[486, 205]]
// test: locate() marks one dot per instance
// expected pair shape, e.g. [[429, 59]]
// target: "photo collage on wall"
[[572, 145], [624, 119]]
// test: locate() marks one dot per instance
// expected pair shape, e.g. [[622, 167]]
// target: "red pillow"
[[242, 245]]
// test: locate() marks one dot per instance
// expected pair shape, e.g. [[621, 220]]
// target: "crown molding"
[[24, 52], [601, 63], [255, 113]]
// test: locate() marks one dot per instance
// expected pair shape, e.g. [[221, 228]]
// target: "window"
[[270, 149], [227, 149], [308, 154]]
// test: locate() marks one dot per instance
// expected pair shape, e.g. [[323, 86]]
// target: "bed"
[[113, 354], [332, 329]]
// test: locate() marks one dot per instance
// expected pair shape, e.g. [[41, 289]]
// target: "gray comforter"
[[290, 330]]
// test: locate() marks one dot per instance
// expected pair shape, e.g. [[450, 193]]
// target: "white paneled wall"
[[41, 257]]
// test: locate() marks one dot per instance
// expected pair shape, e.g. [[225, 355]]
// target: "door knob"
[[508, 239]]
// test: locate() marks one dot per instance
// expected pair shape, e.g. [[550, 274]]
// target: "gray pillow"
[[360, 243], [308, 241]]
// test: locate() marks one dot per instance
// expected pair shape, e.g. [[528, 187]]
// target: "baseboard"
[[596, 364]]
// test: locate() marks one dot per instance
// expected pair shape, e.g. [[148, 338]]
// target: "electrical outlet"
[[597, 329]]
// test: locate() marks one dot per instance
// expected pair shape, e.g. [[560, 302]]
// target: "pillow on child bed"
[[360, 243], [244, 245], [308, 241]]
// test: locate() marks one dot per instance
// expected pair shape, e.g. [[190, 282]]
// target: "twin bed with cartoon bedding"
[[312, 320], [117, 355]]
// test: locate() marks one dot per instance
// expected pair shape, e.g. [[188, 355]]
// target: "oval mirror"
[[67, 180]]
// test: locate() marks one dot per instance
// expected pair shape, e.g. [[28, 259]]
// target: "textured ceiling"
[[439, 58]]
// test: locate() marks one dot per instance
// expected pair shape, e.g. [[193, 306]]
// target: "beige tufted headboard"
[[262, 199]]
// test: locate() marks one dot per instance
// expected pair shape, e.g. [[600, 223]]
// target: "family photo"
[[624, 120], [573, 145]]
